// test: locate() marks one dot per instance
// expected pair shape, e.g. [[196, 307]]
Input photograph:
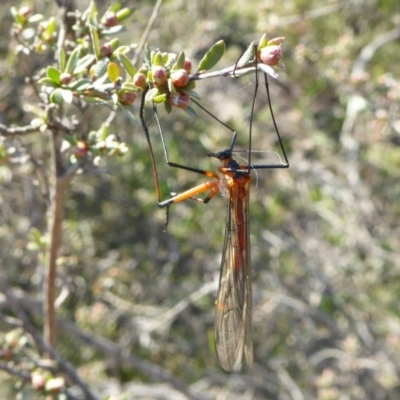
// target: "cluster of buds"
[[168, 78]]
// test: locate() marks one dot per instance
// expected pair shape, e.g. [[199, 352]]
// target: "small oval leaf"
[[112, 71], [47, 82], [168, 107], [53, 74], [73, 60], [150, 95], [180, 61], [127, 64], [95, 41], [56, 96], [212, 56], [61, 59], [191, 111], [247, 57]]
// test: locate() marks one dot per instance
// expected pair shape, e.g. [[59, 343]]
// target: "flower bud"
[[126, 98], [38, 381], [270, 55], [81, 149], [65, 78], [160, 75], [179, 100], [110, 19], [106, 50], [180, 78], [140, 80], [25, 11]]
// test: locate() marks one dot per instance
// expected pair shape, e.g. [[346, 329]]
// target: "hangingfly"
[[233, 332]]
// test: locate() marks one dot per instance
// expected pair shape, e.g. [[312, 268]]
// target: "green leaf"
[[84, 63], [160, 98], [263, 41], [130, 86], [247, 57], [180, 60], [125, 13], [51, 26], [158, 59], [113, 72], [56, 96], [61, 59], [191, 93], [127, 64], [53, 74], [114, 7], [171, 86], [212, 56], [81, 84], [95, 41], [73, 60], [150, 95], [191, 111], [123, 49], [168, 107], [101, 67], [47, 82], [113, 30], [59, 95]]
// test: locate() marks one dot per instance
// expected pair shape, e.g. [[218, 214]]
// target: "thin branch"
[[8, 132], [146, 32], [26, 376]]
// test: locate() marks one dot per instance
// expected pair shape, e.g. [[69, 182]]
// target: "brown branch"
[[59, 180], [8, 132], [26, 376]]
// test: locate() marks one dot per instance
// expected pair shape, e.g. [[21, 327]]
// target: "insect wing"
[[233, 330]]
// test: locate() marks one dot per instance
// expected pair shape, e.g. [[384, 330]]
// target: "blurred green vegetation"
[[324, 233]]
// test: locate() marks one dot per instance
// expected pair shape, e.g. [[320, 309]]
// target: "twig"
[[146, 32], [12, 371], [8, 132]]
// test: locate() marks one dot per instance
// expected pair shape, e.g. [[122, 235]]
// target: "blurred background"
[[137, 311]]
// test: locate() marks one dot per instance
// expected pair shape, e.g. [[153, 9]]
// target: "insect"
[[233, 307]]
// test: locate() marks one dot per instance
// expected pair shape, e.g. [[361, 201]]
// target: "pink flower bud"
[[140, 80], [180, 78], [270, 55], [110, 19], [80, 150], [106, 50], [25, 11], [38, 381], [126, 98], [65, 78], [160, 75], [179, 100]]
